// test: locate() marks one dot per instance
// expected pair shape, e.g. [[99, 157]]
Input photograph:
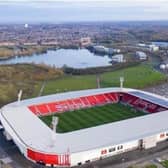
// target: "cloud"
[[83, 10], [98, 3], [150, 2]]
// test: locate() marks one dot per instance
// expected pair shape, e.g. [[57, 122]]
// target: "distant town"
[[139, 42]]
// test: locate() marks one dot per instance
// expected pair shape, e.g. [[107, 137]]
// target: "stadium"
[[93, 124]]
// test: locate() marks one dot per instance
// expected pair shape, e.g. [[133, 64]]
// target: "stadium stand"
[[96, 100], [74, 104], [141, 104], [42, 145]]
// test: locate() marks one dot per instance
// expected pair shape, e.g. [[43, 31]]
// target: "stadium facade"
[[40, 144]]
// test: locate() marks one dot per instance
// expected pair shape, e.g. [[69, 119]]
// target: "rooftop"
[[40, 137]]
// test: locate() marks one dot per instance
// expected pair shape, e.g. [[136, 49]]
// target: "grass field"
[[146, 166], [85, 118], [26, 77], [165, 163], [150, 166], [140, 76], [31, 78]]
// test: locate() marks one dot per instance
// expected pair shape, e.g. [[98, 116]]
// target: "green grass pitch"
[[140, 76], [94, 116]]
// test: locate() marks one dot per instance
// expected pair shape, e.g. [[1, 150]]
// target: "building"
[[105, 50], [112, 51], [141, 55], [149, 47], [30, 44], [119, 58], [38, 143], [100, 49], [49, 43], [153, 47], [85, 41], [8, 44]]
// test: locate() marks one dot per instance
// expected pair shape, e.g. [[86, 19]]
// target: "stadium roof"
[[151, 98], [75, 94], [64, 96], [35, 134]]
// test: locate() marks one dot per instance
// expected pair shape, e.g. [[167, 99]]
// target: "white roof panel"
[[34, 133], [151, 98]]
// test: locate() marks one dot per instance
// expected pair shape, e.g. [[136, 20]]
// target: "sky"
[[58, 11]]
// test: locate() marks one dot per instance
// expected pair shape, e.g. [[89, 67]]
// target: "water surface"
[[81, 58]]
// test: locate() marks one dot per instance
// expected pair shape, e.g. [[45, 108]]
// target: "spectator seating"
[[141, 104], [94, 100], [74, 104]]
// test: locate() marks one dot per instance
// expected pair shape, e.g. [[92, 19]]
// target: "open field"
[[140, 76], [147, 166], [27, 77], [85, 118], [165, 163], [30, 78], [150, 166]]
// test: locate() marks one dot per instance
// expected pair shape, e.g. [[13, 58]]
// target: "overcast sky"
[[56, 11]]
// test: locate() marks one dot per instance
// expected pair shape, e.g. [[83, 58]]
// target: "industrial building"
[[119, 58], [141, 55]]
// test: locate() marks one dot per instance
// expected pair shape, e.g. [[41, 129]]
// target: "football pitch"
[[94, 116]]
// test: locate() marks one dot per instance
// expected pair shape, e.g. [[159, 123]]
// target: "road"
[[11, 155], [130, 158]]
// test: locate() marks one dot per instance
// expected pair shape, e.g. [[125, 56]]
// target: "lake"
[[160, 44], [76, 58]]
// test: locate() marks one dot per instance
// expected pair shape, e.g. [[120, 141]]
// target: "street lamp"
[[121, 82]]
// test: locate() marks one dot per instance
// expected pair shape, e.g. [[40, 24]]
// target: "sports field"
[[85, 118], [140, 76]]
